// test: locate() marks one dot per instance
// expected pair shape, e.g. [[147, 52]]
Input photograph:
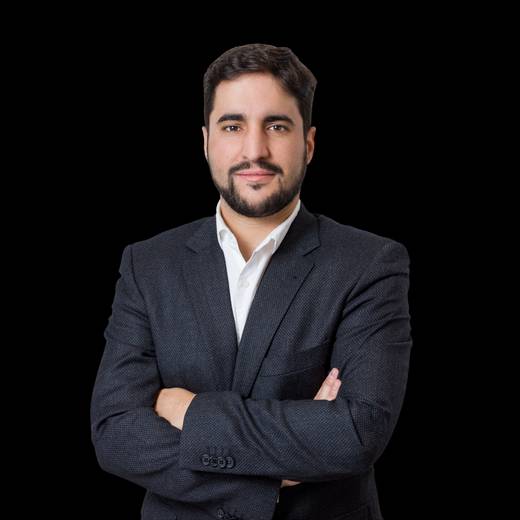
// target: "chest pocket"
[[295, 360]]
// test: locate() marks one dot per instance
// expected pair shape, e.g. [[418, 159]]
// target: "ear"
[[309, 143], [205, 135]]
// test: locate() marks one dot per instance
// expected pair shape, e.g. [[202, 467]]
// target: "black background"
[[120, 110]]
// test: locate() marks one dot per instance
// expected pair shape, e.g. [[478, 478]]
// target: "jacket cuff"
[[203, 447]]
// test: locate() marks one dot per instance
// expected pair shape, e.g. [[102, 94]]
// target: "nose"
[[254, 145]]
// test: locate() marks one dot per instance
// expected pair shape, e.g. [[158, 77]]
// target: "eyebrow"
[[268, 119]]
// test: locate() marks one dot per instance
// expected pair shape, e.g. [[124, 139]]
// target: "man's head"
[[257, 114]]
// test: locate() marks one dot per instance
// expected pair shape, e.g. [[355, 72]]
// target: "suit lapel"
[[205, 275], [280, 282], [207, 278]]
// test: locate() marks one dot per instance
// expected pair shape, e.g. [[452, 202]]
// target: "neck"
[[250, 231]]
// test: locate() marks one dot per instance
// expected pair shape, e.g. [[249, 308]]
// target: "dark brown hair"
[[281, 62]]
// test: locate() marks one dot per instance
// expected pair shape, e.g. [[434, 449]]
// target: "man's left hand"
[[172, 404]]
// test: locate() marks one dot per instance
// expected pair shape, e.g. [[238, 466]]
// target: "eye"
[[279, 128], [231, 128]]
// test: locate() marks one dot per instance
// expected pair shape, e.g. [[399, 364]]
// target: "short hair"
[[281, 62]]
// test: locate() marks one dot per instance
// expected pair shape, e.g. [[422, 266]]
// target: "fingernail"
[[333, 372]]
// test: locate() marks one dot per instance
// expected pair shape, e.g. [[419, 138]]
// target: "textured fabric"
[[331, 296], [244, 277]]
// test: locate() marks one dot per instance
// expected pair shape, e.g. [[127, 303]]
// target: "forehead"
[[255, 96]]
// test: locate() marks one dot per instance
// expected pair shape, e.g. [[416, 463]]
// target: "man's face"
[[256, 128]]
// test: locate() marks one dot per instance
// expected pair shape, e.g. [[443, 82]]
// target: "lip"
[[255, 175], [255, 172]]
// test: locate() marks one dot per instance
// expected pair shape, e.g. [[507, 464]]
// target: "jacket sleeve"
[[130, 439], [314, 440]]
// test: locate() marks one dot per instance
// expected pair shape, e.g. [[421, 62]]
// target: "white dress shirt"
[[244, 277]]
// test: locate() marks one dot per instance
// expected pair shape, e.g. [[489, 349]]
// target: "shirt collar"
[[276, 235]]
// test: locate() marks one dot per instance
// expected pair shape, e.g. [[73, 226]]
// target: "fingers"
[[330, 387], [287, 483]]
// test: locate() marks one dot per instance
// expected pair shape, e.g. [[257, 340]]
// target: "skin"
[[255, 125]]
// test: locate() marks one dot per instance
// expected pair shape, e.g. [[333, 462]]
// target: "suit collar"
[[302, 235]]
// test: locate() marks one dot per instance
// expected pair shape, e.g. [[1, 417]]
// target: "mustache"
[[261, 164]]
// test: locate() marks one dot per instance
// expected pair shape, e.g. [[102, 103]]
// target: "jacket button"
[[230, 462], [221, 462], [205, 459], [220, 512], [213, 461]]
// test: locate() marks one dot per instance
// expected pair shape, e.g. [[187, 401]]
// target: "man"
[[214, 391]]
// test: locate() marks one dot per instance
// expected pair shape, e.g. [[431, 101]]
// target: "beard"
[[274, 203]]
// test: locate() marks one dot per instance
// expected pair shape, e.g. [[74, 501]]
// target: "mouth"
[[255, 175]]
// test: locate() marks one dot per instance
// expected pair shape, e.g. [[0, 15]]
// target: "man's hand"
[[172, 404], [328, 391]]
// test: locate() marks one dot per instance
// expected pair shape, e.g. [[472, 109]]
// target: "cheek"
[[291, 155], [221, 156]]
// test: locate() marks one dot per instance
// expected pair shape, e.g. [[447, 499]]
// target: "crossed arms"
[[137, 436], [172, 404]]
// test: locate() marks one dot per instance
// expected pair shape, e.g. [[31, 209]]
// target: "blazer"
[[331, 296]]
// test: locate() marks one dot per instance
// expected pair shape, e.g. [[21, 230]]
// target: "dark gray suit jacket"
[[331, 296]]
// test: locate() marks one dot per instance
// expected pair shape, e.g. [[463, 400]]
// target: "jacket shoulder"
[[165, 246], [354, 242]]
